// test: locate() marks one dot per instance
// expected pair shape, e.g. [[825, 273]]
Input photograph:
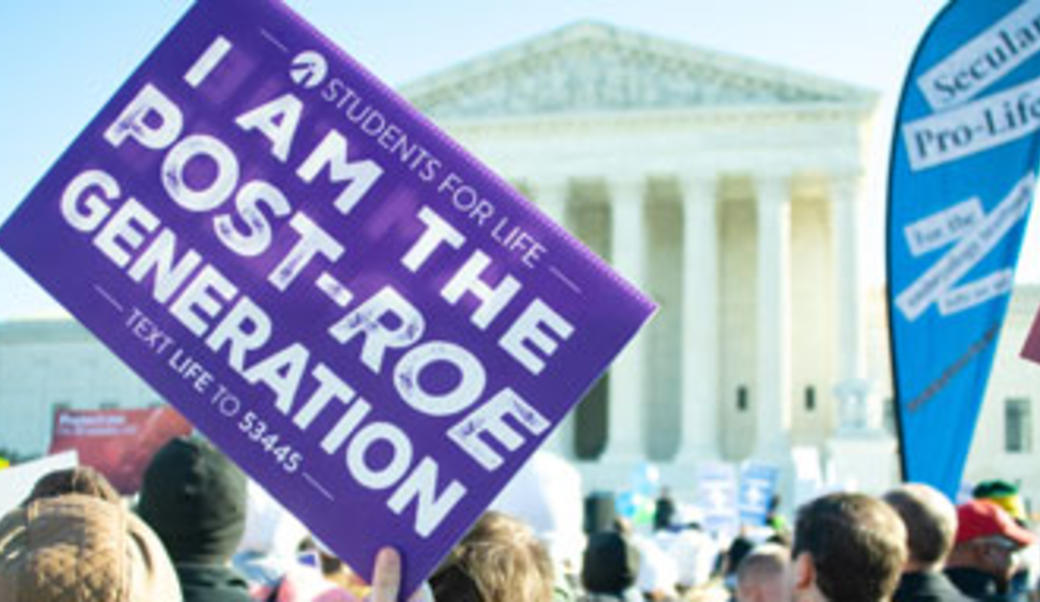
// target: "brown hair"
[[857, 545], [930, 520], [499, 560], [82, 479]]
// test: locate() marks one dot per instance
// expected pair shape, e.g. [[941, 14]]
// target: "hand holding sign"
[[386, 579]]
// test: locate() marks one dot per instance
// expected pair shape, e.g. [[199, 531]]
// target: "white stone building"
[[50, 364], [1006, 434], [727, 189], [731, 191]]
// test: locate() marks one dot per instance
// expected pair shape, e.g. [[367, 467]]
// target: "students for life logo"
[[309, 69]]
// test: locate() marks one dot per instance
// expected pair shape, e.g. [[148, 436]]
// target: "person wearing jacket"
[[983, 562], [931, 524], [609, 569]]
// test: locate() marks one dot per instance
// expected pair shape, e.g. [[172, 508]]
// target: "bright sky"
[[64, 58]]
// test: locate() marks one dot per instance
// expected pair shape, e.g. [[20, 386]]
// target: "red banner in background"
[[1031, 350], [118, 443]]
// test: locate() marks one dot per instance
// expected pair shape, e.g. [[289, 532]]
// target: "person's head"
[[738, 549], [195, 500], [610, 564], [81, 479], [82, 547], [499, 560], [1003, 494], [987, 539], [931, 524], [762, 575], [848, 547]]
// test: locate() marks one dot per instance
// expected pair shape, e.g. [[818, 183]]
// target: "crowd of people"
[[199, 531]]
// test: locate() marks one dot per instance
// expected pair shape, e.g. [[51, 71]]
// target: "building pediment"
[[596, 67]]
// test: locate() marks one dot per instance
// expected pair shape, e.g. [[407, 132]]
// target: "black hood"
[[195, 500]]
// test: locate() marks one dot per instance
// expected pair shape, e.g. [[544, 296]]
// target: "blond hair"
[[499, 560]]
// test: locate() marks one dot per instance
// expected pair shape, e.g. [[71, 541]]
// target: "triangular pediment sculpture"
[[594, 67]]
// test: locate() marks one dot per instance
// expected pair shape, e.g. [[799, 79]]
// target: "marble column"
[[626, 391], [700, 319], [772, 400], [551, 195], [860, 451], [845, 226], [857, 411]]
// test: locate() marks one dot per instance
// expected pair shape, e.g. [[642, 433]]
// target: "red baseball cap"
[[980, 518]]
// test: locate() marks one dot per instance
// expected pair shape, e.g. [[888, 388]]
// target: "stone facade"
[[48, 364], [729, 190]]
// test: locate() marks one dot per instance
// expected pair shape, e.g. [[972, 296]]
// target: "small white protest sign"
[[16, 482]]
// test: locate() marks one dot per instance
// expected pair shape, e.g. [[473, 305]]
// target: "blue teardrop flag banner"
[[964, 157]]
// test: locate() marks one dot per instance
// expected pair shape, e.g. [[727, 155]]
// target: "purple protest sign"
[[365, 318]]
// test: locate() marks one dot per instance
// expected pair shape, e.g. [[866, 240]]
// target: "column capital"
[[626, 188], [696, 187], [850, 174], [772, 188], [549, 187], [551, 196], [847, 186]]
